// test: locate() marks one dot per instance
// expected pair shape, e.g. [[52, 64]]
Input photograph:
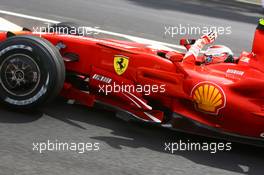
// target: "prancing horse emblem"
[[120, 64]]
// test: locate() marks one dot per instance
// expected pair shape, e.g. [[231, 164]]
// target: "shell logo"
[[208, 97]]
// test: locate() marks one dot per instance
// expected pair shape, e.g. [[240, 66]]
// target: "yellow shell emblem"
[[208, 97], [120, 64]]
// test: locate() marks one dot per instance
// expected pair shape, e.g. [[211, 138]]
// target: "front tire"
[[32, 72]]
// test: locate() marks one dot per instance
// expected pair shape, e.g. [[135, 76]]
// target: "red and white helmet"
[[218, 54]]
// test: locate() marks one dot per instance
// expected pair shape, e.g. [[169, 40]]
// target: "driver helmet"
[[218, 54]]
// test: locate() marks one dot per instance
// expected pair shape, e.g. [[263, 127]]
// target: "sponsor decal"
[[235, 72], [120, 64], [15, 47], [245, 59], [102, 78], [208, 97]]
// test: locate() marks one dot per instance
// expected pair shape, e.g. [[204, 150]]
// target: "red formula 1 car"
[[137, 81]]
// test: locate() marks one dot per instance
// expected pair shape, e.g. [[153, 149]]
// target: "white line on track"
[[28, 16], [255, 2], [4, 24], [154, 44]]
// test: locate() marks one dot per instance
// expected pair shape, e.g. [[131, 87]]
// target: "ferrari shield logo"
[[120, 64]]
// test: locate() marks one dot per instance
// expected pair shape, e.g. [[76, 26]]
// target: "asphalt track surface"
[[125, 147]]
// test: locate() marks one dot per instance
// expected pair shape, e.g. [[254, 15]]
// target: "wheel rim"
[[20, 75]]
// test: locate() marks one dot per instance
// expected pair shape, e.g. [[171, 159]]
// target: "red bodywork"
[[228, 97]]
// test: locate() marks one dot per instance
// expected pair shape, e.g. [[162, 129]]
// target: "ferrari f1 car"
[[137, 81]]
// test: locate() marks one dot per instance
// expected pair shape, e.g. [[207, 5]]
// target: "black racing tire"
[[32, 72], [69, 28]]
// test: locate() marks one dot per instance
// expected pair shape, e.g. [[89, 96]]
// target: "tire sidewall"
[[43, 55]]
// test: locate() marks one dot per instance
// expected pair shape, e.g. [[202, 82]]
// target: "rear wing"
[[258, 43]]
